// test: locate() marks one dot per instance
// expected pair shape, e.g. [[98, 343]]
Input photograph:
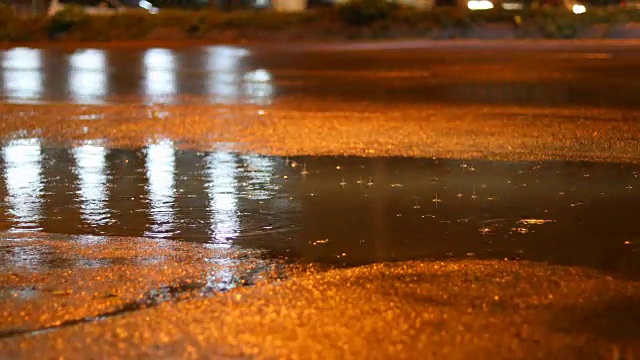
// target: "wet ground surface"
[[136, 184], [50, 282], [411, 310], [540, 76], [329, 210]]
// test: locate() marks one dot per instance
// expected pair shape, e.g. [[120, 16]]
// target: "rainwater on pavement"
[[129, 179], [326, 210], [560, 77]]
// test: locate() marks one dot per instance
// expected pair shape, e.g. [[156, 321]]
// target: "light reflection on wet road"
[[95, 76], [308, 209], [329, 210], [108, 210], [226, 75]]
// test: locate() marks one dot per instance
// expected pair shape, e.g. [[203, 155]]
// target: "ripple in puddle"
[[329, 210]]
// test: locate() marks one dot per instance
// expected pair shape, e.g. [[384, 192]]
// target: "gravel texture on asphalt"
[[61, 280], [499, 133], [455, 310]]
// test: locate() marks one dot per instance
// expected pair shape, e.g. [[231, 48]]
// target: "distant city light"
[[579, 9], [480, 5], [512, 6], [148, 6]]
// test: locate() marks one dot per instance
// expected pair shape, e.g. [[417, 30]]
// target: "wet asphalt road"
[[164, 178], [539, 76]]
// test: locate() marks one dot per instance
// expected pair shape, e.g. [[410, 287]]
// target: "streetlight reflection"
[[22, 72], [228, 83], [160, 169], [160, 75], [223, 68], [260, 172], [258, 87], [222, 189], [92, 183], [88, 78], [23, 178]]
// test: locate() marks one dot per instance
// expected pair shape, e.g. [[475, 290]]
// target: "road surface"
[[101, 140]]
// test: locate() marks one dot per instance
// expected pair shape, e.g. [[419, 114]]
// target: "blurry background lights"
[[512, 6], [148, 6], [480, 5], [579, 9]]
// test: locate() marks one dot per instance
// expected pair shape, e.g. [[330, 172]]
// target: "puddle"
[[325, 210]]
